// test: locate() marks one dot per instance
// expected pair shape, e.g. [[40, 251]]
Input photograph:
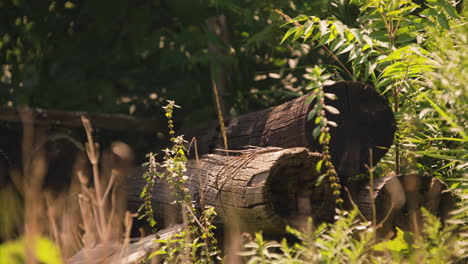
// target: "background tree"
[[129, 56]]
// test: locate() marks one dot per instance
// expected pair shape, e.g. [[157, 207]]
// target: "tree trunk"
[[262, 189], [365, 122], [398, 201], [217, 25]]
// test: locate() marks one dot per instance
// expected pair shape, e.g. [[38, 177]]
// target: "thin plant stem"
[[371, 190], [93, 158], [220, 117]]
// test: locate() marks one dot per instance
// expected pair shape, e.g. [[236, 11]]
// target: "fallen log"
[[365, 122], [262, 189], [399, 199], [116, 122], [133, 253]]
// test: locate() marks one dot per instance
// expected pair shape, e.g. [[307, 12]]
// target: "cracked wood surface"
[[260, 189], [365, 121]]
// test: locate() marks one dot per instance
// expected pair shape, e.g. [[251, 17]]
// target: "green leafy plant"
[[321, 132], [198, 240], [389, 48], [349, 240], [345, 241]]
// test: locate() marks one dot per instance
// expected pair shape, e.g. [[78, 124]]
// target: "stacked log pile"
[[272, 180], [365, 123]]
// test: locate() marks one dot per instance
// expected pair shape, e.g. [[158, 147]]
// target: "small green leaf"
[[308, 29], [323, 27], [450, 10], [320, 179], [443, 21], [339, 27], [346, 49], [398, 244], [157, 253], [321, 138], [372, 68], [310, 98], [298, 33], [288, 33], [428, 12], [337, 43], [316, 132], [313, 112], [318, 119], [403, 38]]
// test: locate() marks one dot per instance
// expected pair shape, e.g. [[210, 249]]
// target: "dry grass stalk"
[[78, 216]]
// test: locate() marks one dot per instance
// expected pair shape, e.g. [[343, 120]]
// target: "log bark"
[[262, 189], [365, 122], [116, 122], [399, 199]]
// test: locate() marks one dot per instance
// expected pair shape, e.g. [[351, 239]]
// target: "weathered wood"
[[264, 189], [365, 122], [398, 200], [117, 122], [122, 254]]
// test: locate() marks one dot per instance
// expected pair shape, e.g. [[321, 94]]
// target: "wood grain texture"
[[265, 189], [365, 122]]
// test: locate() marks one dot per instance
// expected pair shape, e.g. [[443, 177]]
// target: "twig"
[[187, 207], [197, 162], [354, 204], [389, 212], [220, 117], [108, 189]]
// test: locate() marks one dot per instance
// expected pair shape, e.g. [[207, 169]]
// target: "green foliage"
[[41, 249], [345, 241], [130, 56], [439, 244], [146, 209], [350, 241], [400, 47]]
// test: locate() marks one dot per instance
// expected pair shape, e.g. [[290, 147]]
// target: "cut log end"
[[398, 201], [291, 194], [365, 122], [293, 190]]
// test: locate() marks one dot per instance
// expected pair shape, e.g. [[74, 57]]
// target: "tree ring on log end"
[[293, 192], [365, 122]]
